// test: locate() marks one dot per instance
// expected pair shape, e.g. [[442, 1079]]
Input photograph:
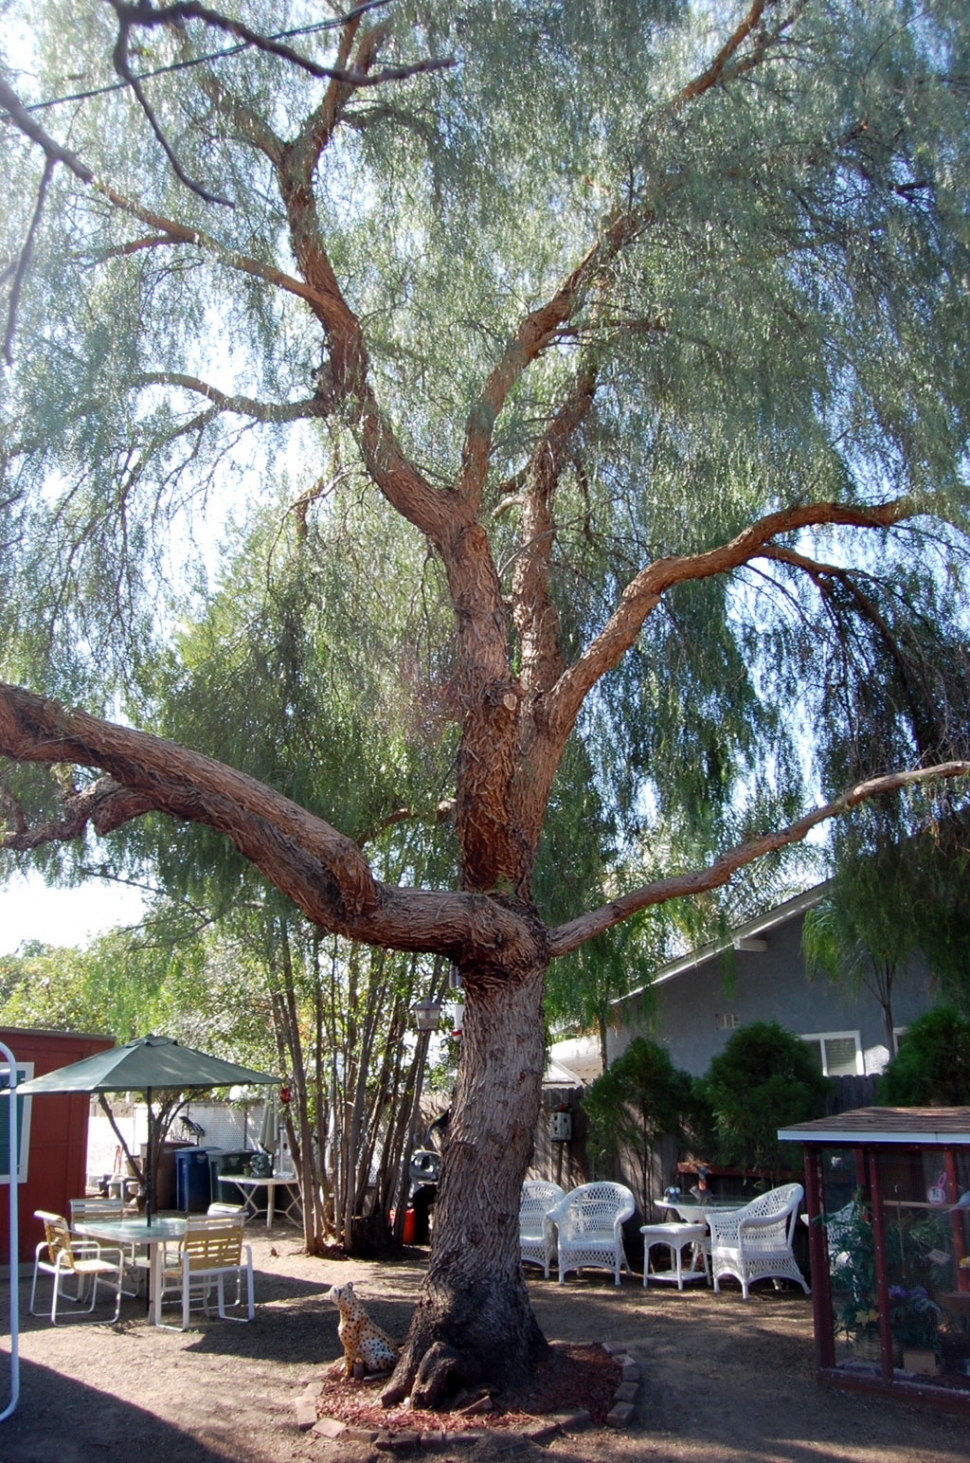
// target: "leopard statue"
[[364, 1342]]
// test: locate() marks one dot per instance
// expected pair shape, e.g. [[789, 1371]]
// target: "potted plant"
[[852, 1260], [915, 1319]]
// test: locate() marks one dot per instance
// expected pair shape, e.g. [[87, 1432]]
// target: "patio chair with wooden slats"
[[86, 1261], [209, 1250], [85, 1209]]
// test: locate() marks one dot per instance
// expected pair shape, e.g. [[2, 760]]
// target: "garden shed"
[[54, 1132], [888, 1194]]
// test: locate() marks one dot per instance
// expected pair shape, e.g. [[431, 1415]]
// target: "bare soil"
[[724, 1381]]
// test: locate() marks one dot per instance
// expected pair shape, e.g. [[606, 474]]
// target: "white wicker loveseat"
[[590, 1224], [755, 1243], [537, 1233]]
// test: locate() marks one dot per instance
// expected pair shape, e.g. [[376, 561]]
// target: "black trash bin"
[[193, 1182], [222, 1165]]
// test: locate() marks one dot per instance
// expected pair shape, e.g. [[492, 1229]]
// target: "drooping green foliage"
[[932, 1066], [637, 1102], [788, 326], [897, 904], [763, 1080]]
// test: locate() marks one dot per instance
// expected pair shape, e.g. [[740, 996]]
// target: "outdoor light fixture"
[[426, 1014]]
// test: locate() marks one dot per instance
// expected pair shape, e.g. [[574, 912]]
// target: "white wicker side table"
[[676, 1237]]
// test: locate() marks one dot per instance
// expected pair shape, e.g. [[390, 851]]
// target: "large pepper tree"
[[647, 320]]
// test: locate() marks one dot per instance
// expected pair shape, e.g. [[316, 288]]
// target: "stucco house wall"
[[696, 1003]]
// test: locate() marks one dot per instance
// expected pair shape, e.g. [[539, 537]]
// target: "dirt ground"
[[724, 1381]]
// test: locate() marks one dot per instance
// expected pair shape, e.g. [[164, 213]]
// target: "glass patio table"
[[692, 1211], [135, 1231]]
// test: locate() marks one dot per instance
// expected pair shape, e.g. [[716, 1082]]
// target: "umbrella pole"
[[149, 1176]]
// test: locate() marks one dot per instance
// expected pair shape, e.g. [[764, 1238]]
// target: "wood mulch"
[[570, 1377]]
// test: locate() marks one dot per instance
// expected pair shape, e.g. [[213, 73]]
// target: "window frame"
[[823, 1036]]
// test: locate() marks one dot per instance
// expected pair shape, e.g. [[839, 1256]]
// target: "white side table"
[[288, 1183], [676, 1237]]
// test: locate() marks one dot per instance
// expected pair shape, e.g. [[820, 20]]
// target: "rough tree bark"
[[474, 1319]]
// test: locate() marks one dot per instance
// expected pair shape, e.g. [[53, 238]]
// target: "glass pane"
[[840, 1055], [927, 1244]]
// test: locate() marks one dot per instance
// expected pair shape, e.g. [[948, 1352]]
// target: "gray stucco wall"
[[681, 1012]]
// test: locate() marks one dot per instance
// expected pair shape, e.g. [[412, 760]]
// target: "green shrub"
[[765, 1079], [932, 1066], [637, 1102]]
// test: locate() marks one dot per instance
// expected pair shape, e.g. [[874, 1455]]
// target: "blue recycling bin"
[[193, 1184]]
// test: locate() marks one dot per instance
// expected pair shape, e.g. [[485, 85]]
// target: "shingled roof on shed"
[[949, 1126]]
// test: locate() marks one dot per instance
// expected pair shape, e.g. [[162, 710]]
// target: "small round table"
[[675, 1237]]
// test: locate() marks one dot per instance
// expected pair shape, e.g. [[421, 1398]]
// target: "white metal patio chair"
[[82, 1209], [68, 1256], [590, 1224], [755, 1243], [209, 1250], [537, 1233]]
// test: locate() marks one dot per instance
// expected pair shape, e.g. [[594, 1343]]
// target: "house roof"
[[946, 1125], [574, 1062], [751, 929]]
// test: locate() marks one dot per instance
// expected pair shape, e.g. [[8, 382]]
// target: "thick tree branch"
[[321, 870], [173, 779], [540, 327], [432, 511], [25, 123], [643, 594], [316, 132], [143, 15], [532, 609], [576, 932]]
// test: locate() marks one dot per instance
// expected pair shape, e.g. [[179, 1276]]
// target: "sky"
[[31, 911]]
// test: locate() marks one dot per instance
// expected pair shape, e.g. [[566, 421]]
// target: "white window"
[[839, 1053], [726, 1020]]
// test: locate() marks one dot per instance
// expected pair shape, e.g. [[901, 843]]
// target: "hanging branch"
[[23, 263], [119, 59]]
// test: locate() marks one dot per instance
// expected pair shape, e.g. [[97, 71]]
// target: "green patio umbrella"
[[150, 1064]]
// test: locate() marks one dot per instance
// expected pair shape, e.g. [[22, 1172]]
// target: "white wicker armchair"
[[590, 1223], [537, 1233], [755, 1243]]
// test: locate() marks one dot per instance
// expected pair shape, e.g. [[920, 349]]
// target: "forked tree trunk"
[[473, 1322]]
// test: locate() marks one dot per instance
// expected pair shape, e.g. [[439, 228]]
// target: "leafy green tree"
[[763, 1080], [898, 900], [860, 933], [637, 1102], [630, 339], [932, 1066]]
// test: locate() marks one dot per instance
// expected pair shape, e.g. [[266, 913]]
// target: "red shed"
[[888, 1192], [57, 1132]]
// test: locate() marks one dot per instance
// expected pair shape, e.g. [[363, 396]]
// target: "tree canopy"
[[586, 383], [932, 1066]]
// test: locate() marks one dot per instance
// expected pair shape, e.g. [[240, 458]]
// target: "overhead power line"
[[282, 35]]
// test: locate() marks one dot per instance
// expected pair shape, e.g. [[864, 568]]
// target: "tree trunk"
[[473, 1321]]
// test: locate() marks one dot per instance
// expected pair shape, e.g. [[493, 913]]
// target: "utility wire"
[[282, 35]]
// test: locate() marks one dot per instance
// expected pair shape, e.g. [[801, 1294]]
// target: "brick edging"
[[623, 1411]]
